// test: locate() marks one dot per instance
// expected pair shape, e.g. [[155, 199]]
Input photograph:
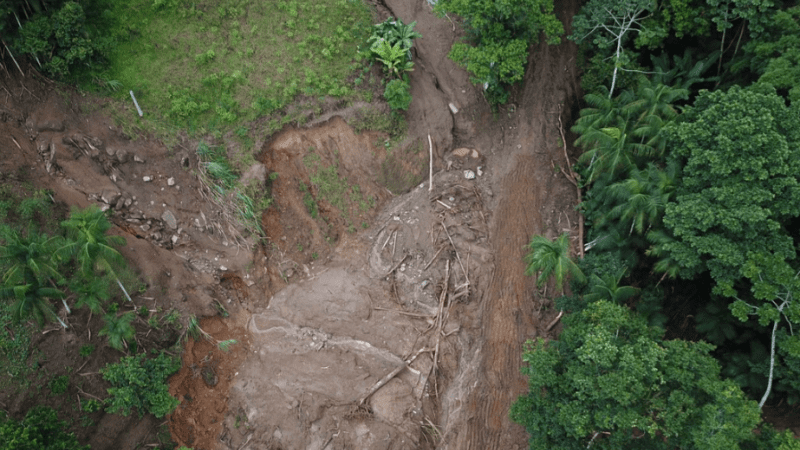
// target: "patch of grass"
[[217, 64], [403, 170], [335, 189]]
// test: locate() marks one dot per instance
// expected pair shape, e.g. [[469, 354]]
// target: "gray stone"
[[170, 181], [110, 196], [170, 219]]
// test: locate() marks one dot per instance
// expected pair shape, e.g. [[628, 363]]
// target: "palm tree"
[[118, 329], [32, 299], [29, 262], [551, 258], [28, 257], [92, 292], [607, 288], [91, 246], [643, 197]]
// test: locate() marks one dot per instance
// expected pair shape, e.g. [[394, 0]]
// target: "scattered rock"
[[147, 179], [110, 196], [468, 174], [138, 159], [453, 108], [170, 181], [170, 219], [50, 124], [174, 239], [145, 227]]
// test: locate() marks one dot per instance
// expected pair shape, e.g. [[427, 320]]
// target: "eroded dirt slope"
[[395, 325]]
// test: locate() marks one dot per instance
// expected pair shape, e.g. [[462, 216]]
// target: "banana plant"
[[393, 57]]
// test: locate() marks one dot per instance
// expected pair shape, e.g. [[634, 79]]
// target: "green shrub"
[[499, 35], [140, 383], [58, 385], [39, 430], [398, 94]]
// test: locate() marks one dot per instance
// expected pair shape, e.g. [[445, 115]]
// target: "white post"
[[137, 105]]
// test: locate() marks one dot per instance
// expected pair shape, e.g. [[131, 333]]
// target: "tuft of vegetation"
[[140, 383], [40, 429], [499, 34], [390, 44]]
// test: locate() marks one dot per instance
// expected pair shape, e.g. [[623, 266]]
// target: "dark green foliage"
[[741, 155], [499, 33], [29, 274], [60, 39], [610, 381], [92, 292], [775, 55], [141, 383], [398, 94], [118, 329], [58, 385], [39, 430]]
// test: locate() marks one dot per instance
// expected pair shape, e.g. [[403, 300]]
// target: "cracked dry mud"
[[431, 296]]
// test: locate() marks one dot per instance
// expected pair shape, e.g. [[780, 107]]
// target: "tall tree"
[[91, 245], [30, 274], [610, 24], [32, 299], [610, 382], [733, 213]]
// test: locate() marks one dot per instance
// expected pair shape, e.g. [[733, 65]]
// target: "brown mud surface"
[[387, 320]]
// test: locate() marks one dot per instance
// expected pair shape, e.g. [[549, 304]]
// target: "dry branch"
[[382, 381], [573, 177]]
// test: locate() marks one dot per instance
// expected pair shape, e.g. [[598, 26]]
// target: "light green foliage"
[[15, 351], [213, 65], [390, 44], [611, 382], [551, 259], [499, 33], [91, 246], [398, 94], [29, 275], [139, 382], [39, 430]]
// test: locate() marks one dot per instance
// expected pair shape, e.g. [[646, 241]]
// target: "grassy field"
[[215, 66]]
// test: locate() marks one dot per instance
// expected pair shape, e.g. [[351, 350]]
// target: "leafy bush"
[[499, 34], [611, 382], [398, 94], [140, 383], [390, 44], [59, 385], [39, 430], [61, 41]]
